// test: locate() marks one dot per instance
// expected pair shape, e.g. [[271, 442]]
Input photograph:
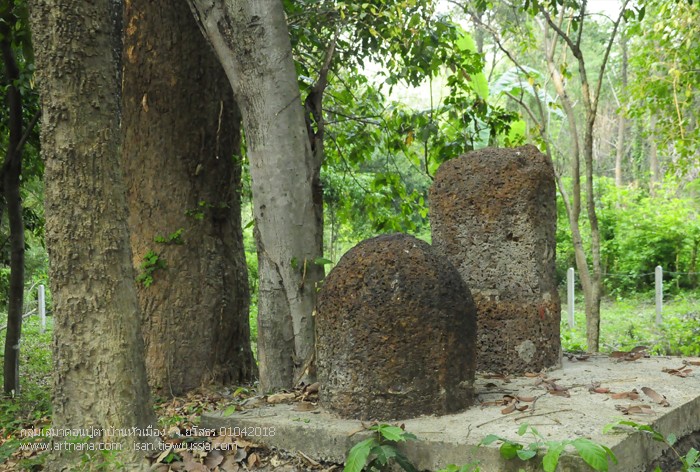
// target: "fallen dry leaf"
[[308, 460], [304, 406], [631, 355], [214, 458], [631, 395], [554, 389], [635, 409], [509, 409], [191, 465], [245, 444], [229, 465], [253, 461], [280, 398], [595, 387], [657, 397], [691, 362], [240, 455], [680, 372], [313, 388]]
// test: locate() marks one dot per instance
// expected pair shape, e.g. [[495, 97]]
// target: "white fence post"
[[570, 295], [659, 278], [42, 307]]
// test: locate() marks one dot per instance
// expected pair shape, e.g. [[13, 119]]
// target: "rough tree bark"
[[183, 168], [251, 39], [10, 185], [99, 374]]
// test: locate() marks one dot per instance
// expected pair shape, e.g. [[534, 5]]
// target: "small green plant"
[[151, 263], [464, 468], [172, 238], [202, 206], [690, 462], [375, 453], [595, 455]]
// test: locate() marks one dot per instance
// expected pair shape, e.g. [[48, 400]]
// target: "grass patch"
[[631, 322], [31, 408]]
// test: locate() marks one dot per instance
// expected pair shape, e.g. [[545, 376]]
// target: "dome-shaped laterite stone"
[[395, 333]]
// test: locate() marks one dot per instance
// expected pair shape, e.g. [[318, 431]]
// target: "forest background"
[[610, 95]]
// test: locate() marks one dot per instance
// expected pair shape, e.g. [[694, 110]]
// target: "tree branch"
[[27, 132], [607, 54]]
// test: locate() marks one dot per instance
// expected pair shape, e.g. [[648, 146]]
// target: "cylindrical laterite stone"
[[493, 214]]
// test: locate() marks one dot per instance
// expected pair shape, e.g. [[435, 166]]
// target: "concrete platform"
[[454, 439]]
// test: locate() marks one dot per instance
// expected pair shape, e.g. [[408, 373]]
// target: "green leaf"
[[322, 261], [509, 450], [490, 439], [358, 455], [231, 409], [522, 429], [551, 458], [526, 454], [671, 439], [390, 433], [383, 453], [593, 454], [404, 462]]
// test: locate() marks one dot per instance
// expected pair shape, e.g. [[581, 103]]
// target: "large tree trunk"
[[182, 162], [252, 42], [99, 373], [11, 173]]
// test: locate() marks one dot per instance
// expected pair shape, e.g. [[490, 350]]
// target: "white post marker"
[[42, 307], [659, 278], [570, 295]]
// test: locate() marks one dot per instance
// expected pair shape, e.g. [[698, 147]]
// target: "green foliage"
[[642, 231], [627, 323], [202, 208], [682, 334], [638, 232], [666, 82], [463, 468], [690, 462], [33, 405], [595, 455], [152, 261], [377, 452], [172, 238]]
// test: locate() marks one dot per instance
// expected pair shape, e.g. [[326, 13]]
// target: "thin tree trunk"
[[621, 124], [99, 373], [592, 287], [593, 297], [11, 173], [252, 42], [182, 129], [654, 167]]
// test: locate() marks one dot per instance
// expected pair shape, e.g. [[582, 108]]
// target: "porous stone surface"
[[395, 333], [493, 215]]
